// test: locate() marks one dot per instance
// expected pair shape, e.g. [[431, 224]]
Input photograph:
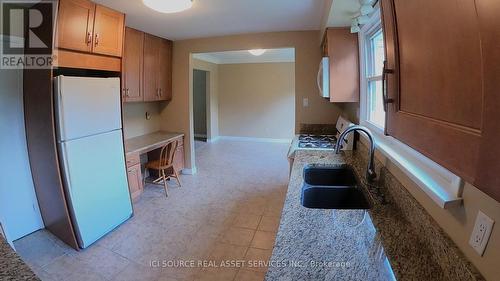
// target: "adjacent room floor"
[[228, 211]]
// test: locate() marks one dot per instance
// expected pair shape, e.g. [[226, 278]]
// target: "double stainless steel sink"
[[332, 187]]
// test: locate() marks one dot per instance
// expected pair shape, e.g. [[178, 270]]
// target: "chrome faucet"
[[370, 172]]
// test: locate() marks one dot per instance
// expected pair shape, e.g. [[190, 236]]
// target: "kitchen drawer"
[[133, 159]]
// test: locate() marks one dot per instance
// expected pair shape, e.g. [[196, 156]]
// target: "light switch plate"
[[481, 232]]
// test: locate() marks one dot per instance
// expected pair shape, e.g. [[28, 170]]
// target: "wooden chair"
[[164, 165]]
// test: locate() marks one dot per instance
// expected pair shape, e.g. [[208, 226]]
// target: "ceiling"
[[342, 12], [209, 18], [231, 57]]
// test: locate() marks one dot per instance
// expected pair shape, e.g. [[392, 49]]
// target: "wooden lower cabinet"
[[135, 181], [134, 176], [179, 157]]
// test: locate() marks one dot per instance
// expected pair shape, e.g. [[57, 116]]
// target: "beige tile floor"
[[229, 211]]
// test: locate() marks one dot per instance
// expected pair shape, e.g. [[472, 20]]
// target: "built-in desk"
[[144, 144], [149, 142]]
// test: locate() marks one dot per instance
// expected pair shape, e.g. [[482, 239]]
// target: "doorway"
[[200, 92]]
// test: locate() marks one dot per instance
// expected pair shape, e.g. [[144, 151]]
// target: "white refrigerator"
[[91, 154]]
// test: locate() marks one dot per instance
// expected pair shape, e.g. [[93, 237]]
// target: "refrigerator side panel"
[[96, 181], [86, 106]]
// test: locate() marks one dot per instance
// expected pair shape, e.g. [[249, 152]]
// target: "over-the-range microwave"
[[323, 78]]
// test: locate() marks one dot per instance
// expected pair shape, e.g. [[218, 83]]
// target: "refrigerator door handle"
[[66, 174]]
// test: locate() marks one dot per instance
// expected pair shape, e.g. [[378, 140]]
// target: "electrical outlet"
[[481, 232], [305, 102]]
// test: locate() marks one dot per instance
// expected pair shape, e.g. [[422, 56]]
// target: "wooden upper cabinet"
[[133, 65], [439, 70], [165, 70], [157, 75], [150, 73], [86, 27], [75, 25], [341, 47], [108, 31]]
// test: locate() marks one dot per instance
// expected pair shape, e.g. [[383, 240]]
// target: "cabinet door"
[[488, 166], [344, 65], [135, 181], [151, 67], [165, 70], [132, 65], [74, 25], [436, 51], [108, 31]]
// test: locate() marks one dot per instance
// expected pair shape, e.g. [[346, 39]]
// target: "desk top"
[[148, 142]]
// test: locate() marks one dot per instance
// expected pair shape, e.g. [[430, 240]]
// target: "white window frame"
[[442, 186]]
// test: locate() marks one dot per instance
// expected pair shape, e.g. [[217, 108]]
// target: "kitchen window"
[[442, 186], [374, 55]]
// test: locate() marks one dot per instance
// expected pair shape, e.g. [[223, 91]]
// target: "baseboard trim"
[[232, 138], [191, 171], [214, 139]]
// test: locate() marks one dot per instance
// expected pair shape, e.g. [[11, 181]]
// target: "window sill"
[[442, 186]]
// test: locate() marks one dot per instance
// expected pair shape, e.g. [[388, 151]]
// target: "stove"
[[317, 141]]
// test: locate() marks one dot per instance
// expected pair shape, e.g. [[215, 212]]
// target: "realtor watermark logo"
[[29, 27]]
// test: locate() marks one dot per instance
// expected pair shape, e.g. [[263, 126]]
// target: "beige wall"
[[458, 222], [134, 118], [213, 95], [307, 57], [257, 100]]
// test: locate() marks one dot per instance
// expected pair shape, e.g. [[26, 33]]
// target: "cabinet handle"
[[385, 99], [96, 39], [159, 94], [127, 92], [89, 38]]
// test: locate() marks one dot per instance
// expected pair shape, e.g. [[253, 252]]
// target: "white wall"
[[19, 211]]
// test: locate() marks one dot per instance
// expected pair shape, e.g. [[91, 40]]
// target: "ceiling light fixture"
[[168, 6], [257, 52]]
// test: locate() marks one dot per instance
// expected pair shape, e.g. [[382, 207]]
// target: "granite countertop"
[[11, 265], [315, 244], [148, 142]]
